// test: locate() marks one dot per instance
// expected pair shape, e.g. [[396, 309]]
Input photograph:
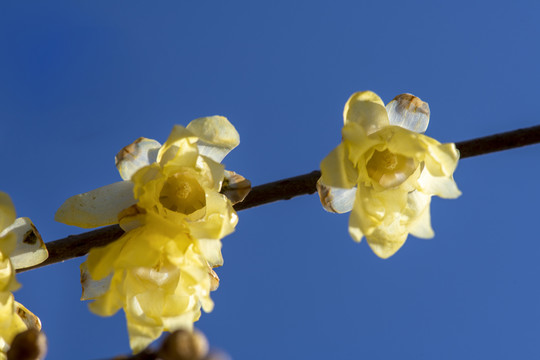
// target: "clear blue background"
[[80, 80]]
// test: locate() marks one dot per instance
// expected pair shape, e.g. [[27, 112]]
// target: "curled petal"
[[30, 320], [367, 110], [179, 150], [409, 112], [30, 249], [217, 136], [235, 187], [442, 159], [98, 207], [140, 153], [335, 199]]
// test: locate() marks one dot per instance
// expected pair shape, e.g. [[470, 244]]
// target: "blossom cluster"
[[175, 204], [160, 272], [21, 246]]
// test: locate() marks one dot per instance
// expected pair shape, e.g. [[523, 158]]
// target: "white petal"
[[30, 249], [335, 199], [98, 207], [235, 187], [92, 289], [140, 153], [409, 112], [217, 136], [30, 320]]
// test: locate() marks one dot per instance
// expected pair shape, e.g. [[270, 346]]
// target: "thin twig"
[[79, 245]]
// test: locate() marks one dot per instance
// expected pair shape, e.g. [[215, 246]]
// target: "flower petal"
[[29, 319], [179, 150], [7, 211], [141, 152], [441, 186], [335, 199], [235, 187], [92, 289], [217, 136], [337, 170], [409, 112], [377, 215], [98, 207], [419, 215], [30, 249], [367, 110]]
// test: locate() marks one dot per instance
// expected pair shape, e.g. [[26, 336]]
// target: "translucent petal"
[[7, 211], [441, 186], [384, 245], [29, 319], [441, 159], [141, 152], [211, 250], [367, 110], [337, 170], [409, 112], [179, 150], [92, 289], [377, 216], [219, 221], [217, 136], [334, 199], [98, 207], [235, 187], [30, 249], [211, 172], [419, 223]]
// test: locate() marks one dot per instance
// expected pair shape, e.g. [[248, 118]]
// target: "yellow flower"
[[20, 246], [385, 170], [170, 205]]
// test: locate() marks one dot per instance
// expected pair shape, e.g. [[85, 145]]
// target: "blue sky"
[[80, 80]]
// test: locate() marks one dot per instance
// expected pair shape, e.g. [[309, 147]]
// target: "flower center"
[[389, 169], [182, 193]]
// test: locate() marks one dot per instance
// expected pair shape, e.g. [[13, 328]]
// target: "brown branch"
[[79, 245]]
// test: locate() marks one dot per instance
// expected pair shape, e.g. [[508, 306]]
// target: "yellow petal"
[[7, 211], [179, 150], [337, 170], [140, 153], [217, 136], [441, 159], [367, 110], [409, 112], [98, 207], [377, 215], [419, 217], [30, 249], [441, 186]]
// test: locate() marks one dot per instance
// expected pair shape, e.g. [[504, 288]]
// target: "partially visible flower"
[[20, 246], [386, 171], [170, 205]]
